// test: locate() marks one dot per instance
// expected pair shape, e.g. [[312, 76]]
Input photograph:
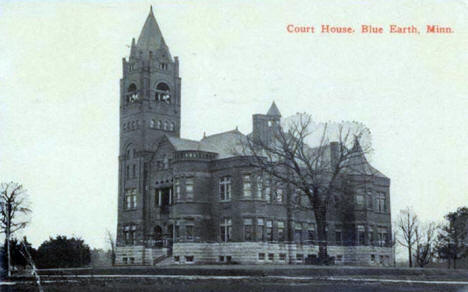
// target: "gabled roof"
[[227, 144], [274, 111], [189, 145]]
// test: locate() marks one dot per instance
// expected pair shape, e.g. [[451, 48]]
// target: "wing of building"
[[183, 201]]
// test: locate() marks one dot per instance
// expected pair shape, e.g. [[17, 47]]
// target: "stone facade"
[[183, 201]]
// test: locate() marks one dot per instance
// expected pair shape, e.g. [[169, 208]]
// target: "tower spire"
[[151, 38]]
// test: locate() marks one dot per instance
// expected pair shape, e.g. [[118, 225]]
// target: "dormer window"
[[270, 124], [163, 93]]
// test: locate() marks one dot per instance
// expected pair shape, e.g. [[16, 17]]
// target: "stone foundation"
[[253, 253]]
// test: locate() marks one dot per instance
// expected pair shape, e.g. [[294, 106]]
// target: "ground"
[[245, 278]]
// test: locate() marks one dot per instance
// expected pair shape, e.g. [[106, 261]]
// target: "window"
[[152, 123], [282, 257], [125, 261], [189, 189], [162, 93], [267, 190], [382, 236], [159, 125], [248, 229], [338, 235], [221, 259], [269, 230], [177, 231], [259, 187], [298, 232], [279, 195], [225, 188], [381, 203], [260, 226], [381, 259], [271, 257], [189, 259], [177, 189], [226, 230], [280, 231], [177, 259], [372, 258], [246, 185], [129, 234], [134, 171], [127, 172], [163, 66], [171, 126], [361, 234], [299, 257], [369, 202], [132, 260], [261, 256], [130, 199], [132, 93], [189, 231], [370, 236], [339, 258], [311, 233], [359, 201]]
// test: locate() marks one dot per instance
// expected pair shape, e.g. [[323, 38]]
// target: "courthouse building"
[[182, 201]]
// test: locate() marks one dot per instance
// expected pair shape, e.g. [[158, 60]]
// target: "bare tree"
[[110, 240], [425, 241], [407, 224], [452, 237], [320, 173], [14, 211]]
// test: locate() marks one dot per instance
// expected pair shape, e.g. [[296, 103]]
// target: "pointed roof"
[[150, 38], [274, 111]]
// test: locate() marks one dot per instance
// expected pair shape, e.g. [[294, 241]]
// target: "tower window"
[[166, 125], [163, 93], [163, 66], [152, 123], [159, 126], [171, 126], [132, 93]]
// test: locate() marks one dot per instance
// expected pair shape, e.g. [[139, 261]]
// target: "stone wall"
[[276, 253]]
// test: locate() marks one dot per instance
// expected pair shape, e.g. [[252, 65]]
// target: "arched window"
[[133, 125], [171, 126], [132, 93], [166, 125], [163, 93], [152, 123], [159, 124]]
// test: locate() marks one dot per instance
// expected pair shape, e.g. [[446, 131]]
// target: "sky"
[[61, 63]]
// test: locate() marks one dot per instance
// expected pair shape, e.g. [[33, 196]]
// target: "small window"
[[339, 258], [372, 258], [125, 261], [271, 257], [282, 257], [261, 256], [299, 258], [132, 260], [189, 259], [221, 259], [228, 259], [176, 259]]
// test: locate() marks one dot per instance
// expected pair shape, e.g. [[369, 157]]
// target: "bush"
[[63, 252]]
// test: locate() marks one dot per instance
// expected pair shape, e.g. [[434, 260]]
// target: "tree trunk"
[[410, 257], [8, 252], [320, 218]]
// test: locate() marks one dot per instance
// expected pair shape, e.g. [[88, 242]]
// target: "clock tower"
[[149, 109]]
